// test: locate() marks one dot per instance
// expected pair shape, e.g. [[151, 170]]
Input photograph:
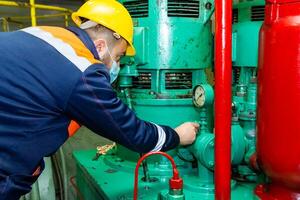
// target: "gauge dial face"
[[199, 96]]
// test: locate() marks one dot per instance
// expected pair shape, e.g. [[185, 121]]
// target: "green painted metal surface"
[[164, 42], [168, 195], [170, 62], [248, 17], [97, 180]]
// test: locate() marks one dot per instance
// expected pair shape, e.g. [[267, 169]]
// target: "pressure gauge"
[[203, 95]]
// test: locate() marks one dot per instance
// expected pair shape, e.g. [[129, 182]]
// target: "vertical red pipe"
[[223, 67]]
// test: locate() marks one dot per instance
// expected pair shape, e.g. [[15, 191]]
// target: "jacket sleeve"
[[94, 104]]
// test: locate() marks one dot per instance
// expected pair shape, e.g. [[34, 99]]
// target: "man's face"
[[118, 52], [114, 53]]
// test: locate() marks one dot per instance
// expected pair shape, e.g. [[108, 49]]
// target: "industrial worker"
[[50, 76]]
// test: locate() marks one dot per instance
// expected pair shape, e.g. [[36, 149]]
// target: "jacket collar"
[[85, 38]]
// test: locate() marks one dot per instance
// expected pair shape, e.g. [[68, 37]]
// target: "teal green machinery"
[[248, 17], [168, 82]]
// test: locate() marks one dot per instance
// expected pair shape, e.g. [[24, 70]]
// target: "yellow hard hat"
[[112, 15]]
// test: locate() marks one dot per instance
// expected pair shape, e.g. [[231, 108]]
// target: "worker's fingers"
[[187, 132], [196, 125]]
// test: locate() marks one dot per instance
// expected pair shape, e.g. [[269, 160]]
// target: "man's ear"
[[100, 46]]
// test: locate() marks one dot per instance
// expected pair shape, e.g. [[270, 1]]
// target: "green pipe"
[[64, 173]]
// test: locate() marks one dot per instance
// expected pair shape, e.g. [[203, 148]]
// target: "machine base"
[[98, 180]]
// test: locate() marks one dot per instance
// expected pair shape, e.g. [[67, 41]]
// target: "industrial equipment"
[[248, 17], [169, 82], [158, 85]]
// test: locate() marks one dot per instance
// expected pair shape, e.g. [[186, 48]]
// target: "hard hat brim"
[[130, 51]]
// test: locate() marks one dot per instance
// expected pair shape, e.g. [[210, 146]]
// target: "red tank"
[[278, 137]]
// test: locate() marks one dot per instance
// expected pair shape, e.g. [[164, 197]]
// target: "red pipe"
[[175, 182], [223, 68]]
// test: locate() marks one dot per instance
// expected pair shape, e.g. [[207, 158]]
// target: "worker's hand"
[[187, 132]]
